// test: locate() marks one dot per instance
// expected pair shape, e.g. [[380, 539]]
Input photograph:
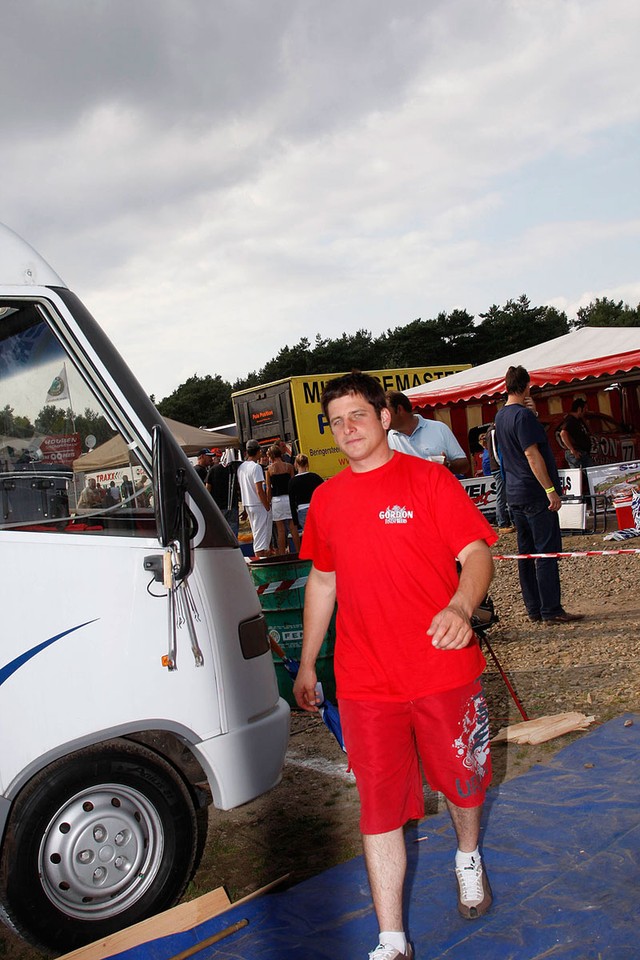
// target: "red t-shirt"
[[392, 536]]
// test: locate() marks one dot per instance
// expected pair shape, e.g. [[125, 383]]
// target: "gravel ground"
[[310, 821]]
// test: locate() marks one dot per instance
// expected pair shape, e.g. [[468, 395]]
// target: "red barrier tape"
[[276, 585], [575, 553]]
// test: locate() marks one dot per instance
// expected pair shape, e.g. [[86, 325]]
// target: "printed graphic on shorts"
[[396, 514], [472, 746]]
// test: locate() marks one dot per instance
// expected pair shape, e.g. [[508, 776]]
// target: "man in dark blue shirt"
[[533, 494]]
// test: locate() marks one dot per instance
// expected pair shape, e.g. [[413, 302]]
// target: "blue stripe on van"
[[10, 669]]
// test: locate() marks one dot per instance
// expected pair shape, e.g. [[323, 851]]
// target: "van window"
[[63, 468]]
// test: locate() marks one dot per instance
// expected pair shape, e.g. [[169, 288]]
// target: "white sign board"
[[614, 480], [482, 491]]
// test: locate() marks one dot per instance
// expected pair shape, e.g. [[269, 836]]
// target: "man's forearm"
[[568, 442], [475, 577], [538, 467], [319, 603], [461, 465], [450, 628], [263, 496]]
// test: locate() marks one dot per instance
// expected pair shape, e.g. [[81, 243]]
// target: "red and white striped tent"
[[586, 362]]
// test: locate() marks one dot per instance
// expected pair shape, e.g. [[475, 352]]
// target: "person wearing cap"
[[254, 499], [204, 463], [222, 484]]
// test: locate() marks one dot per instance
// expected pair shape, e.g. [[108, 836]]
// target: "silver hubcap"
[[101, 851]]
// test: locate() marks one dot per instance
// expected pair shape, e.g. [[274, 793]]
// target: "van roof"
[[21, 265]]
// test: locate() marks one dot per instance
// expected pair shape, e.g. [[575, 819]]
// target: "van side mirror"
[[174, 521]]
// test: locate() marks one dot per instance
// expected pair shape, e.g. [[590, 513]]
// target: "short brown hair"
[[355, 382], [517, 380], [396, 399]]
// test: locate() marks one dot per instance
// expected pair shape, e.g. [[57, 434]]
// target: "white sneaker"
[[390, 953], [474, 892]]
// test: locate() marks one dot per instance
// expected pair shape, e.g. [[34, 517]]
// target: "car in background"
[[611, 440]]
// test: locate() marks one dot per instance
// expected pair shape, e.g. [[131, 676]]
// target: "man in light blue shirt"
[[411, 433]]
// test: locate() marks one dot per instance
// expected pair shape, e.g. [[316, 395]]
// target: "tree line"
[[52, 421], [453, 337]]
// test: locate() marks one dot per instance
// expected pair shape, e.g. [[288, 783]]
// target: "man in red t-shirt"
[[385, 536]]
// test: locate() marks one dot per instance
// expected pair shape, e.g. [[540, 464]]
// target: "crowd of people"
[[100, 496], [269, 489]]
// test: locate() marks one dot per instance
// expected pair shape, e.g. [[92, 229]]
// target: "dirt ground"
[[310, 821]]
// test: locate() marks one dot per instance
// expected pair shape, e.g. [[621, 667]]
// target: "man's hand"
[[319, 603], [304, 689], [555, 501], [450, 629]]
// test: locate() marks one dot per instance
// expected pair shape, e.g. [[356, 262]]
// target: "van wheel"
[[95, 842]]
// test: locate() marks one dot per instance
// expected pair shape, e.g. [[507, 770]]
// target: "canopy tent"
[[192, 439], [115, 453], [584, 353]]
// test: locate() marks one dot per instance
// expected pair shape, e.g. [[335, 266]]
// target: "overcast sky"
[[219, 178]]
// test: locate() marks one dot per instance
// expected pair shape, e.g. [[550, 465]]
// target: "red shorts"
[[385, 741]]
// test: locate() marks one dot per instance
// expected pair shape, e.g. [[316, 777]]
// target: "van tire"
[[97, 841]]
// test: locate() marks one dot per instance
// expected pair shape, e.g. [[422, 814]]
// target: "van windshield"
[[63, 466]]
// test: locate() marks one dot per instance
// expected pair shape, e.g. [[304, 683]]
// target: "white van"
[[135, 667]]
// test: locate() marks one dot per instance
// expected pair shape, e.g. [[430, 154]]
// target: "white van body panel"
[[100, 670], [86, 625]]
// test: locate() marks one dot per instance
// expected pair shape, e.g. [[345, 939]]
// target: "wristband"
[[550, 490]]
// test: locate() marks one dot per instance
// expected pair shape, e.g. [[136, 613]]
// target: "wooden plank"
[[544, 728], [176, 920]]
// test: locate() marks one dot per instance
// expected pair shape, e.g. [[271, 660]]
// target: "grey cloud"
[[286, 166], [179, 61], [197, 62]]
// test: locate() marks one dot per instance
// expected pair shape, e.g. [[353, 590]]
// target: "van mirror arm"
[[174, 521]]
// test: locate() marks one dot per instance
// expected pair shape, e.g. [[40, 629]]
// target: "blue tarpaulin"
[[562, 848]]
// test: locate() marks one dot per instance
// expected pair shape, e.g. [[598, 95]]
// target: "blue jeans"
[[502, 510], [538, 531]]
